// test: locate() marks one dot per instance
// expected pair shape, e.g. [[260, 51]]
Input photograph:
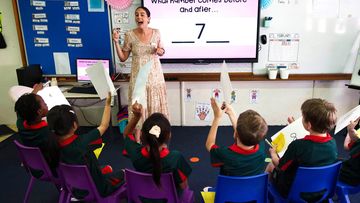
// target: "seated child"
[[153, 155], [33, 131], [350, 169], [77, 149], [246, 157], [316, 149]]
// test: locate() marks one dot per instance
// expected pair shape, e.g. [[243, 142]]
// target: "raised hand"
[[108, 99], [216, 108], [137, 109], [351, 130], [290, 119], [116, 34]]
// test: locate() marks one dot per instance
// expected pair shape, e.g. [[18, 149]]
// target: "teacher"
[[145, 44]]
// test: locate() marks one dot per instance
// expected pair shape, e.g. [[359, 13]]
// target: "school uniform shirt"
[[350, 169], [171, 161], [38, 135], [310, 151], [77, 150], [236, 161]]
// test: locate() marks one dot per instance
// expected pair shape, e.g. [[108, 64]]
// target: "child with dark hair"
[[153, 155], [78, 149], [246, 157], [350, 169], [33, 130], [316, 149]]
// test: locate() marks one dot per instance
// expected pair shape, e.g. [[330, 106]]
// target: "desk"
[[89, 114]]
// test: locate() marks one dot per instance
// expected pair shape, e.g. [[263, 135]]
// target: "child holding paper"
[[316, 149], [77, 149], [153, 155], [350, 169], [33, 130], [247, 155]]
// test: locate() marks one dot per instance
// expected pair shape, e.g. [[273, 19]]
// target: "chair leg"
[[28, 190], [342, 197]]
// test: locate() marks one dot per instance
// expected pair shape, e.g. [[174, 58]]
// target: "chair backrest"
[[142, 185], [78, 177], [242, 189], [32, 158], [314, 179]]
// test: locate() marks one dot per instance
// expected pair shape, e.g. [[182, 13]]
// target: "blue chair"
[[242, 189], [310, 179], [343, 190]]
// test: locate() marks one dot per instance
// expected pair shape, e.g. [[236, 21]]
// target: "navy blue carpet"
[[189, 140]]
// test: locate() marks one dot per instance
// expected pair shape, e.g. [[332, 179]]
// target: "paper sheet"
[[62, 63], [53, 96], [140, 84], [98, 151], [225, 83], [285, 136], [344, 120], [208, 197], [101, 80]]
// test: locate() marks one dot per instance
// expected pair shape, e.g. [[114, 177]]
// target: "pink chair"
[[34, 161], [78, 177], [142, 185]]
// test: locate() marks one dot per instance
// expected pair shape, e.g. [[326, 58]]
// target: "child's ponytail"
[[155, 158], [156, 132]]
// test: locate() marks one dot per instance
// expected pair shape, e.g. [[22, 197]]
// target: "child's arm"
[[213, 130], [352, 135], [290, 119], [105, 120], [37, 87], [137, 111], [231, 113], [274, 156]]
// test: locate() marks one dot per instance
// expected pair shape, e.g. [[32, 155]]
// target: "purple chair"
[[142, 185], [78, 177], [32, 159]]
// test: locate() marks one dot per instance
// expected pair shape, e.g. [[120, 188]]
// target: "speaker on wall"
[[29, 75]]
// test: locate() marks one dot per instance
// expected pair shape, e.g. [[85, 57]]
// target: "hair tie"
[[71, 111], [155, 130]]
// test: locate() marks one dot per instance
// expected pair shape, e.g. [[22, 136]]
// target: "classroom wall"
[[276, 99], [10, 59]]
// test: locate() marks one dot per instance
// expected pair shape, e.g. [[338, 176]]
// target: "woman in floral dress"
[[145, 45]]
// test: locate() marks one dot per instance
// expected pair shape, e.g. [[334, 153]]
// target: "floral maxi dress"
[[156, 96]]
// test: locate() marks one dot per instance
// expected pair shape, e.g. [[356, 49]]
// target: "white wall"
[[277, 99], [10, 59]]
